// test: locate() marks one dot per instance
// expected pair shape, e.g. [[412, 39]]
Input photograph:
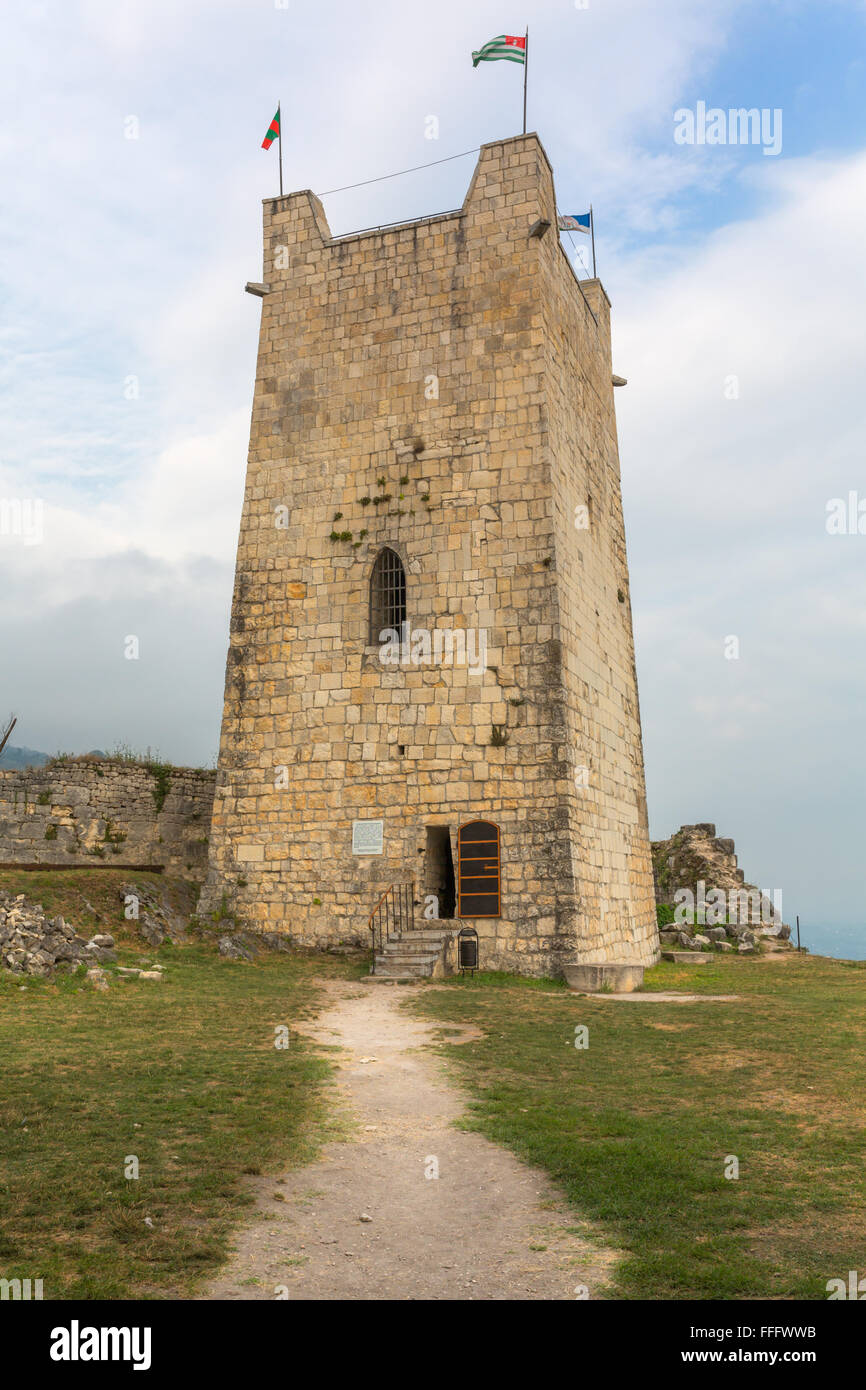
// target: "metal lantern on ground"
[[467, 950]]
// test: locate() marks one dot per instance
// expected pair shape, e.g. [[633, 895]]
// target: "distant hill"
[[13, 757]]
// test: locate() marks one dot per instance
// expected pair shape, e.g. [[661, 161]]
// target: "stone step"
[[401, 959], [403, 972], [412, 954], [435, 938], [405, 964], [411, 948], [411, 943]]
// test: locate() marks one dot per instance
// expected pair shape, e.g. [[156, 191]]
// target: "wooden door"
[[478, 870]]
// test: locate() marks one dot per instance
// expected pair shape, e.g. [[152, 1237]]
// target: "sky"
[[130, 220]]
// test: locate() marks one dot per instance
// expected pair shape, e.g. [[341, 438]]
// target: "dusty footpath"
[[369, 1221]]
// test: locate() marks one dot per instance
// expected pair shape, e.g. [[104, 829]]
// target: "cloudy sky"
[[132, 179]]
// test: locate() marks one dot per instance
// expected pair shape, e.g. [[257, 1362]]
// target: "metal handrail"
[[393, 914]]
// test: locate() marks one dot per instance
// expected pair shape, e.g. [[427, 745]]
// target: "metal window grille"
[[387, 594], [478, 870]]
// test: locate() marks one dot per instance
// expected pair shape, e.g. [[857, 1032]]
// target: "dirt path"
[[487, 1227]]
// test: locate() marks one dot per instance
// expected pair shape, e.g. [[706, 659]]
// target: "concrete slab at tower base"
[[620, 978]]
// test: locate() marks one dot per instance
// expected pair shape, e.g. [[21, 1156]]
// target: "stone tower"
[[431, 640]]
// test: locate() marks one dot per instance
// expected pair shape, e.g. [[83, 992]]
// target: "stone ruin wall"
[[97, 812]]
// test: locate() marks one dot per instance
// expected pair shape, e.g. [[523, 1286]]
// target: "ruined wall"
[[402, 399], [697, 859], [98, 811]]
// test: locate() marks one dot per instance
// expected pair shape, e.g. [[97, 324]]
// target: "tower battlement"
[[431, 626]]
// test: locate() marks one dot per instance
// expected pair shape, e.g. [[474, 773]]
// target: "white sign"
[[367, 836]]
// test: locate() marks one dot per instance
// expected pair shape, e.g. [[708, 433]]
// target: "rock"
[[275, 942], [746, 949], [716, 933], [694, 858], [233, 949], [100, 953], [152, 932], [150, 974], [97, 978], [686, 957], [31, 943], [723, 945], [102, 939], [700, 940], [669, 938], [773, 929], [156, 920]]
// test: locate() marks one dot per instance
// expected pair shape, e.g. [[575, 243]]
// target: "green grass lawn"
[[636, 1128], [182, 1074], [90, 899]]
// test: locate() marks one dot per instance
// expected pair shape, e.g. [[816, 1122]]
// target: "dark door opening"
[[440, 869]]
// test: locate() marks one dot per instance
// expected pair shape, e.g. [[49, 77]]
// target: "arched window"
[[478, 876], [387, 594]]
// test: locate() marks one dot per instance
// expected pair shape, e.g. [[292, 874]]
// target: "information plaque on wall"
[[367, 836]]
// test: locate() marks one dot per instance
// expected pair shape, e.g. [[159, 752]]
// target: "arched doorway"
[[478, 870]]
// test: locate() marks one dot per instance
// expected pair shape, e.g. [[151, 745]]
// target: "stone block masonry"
[[440, 392], [102, 812]]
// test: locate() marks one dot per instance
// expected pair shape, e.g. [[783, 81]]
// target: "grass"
[[182, 1074], [637, 1128], [90, 898]]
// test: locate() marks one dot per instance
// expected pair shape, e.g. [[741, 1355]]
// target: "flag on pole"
[[575, 222], [273, 131], [504, 46]]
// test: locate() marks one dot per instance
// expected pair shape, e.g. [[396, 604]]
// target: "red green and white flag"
[[507, 46], [273, 131]]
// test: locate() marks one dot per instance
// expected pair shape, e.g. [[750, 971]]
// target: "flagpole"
[[592, 229], [525, 75], [280, 145]]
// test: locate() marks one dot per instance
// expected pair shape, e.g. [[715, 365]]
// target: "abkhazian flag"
[[505, 46], [273, 131], [574, 222]]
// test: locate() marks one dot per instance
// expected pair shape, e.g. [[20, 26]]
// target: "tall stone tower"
[[431, 672]]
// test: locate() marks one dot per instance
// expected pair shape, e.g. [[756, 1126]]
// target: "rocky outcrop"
[[150, 913], [696, 859], [691, 855], [31, 943], [744, 940]]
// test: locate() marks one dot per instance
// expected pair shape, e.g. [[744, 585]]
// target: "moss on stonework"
[[161, 774]]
